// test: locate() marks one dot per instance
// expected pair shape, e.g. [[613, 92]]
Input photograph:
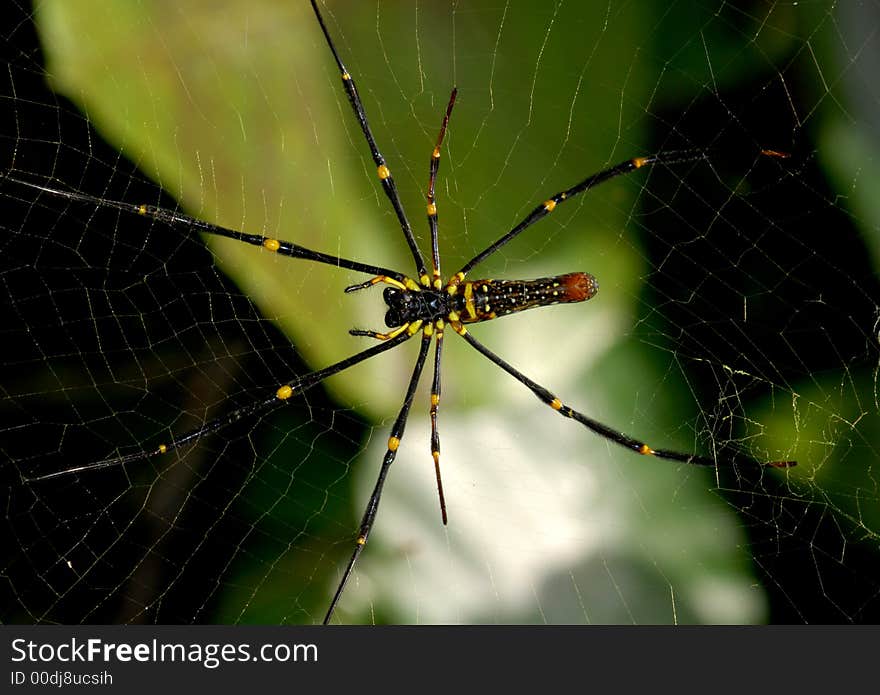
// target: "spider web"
[[737, 314]]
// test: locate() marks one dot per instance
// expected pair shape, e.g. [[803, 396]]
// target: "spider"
[[423, 304]]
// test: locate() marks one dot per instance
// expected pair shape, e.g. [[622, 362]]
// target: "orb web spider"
[[423, 305]]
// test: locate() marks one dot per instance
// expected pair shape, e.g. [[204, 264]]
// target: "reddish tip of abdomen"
[[578, 287]]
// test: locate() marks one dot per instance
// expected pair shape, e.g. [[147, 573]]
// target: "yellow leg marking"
[[405, 327], [428, 329], [394, 283], [436, 153], [392, 334], [425, 280], [284, 392], [393, 443], [435, 399], [456, 326], [346, 76], [411, 284], [271, 244], [639, 162], [454, 282], [549, 205], [411, 328], [432, 209], [646, 450], [162, 448], [453, 316], [361, 540], [142, 209], [384, 172], [556, 404]]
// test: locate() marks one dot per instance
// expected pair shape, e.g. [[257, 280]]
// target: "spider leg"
[[609, 433], [435, 404], [391, 452], [380, 336], [281, 395], [545, 208], [382, 169], [175, 219], [397, 280], [432, 203], [437, 284]]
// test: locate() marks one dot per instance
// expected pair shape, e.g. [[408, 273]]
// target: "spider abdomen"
[[482, 300]]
